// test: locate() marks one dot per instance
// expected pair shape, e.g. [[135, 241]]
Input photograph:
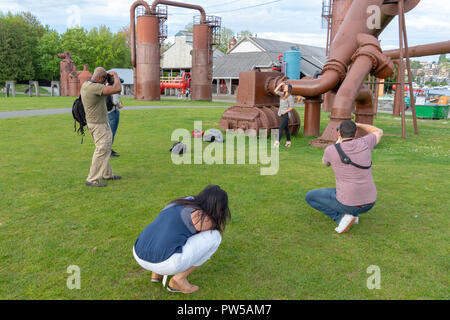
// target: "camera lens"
[[110, 79]]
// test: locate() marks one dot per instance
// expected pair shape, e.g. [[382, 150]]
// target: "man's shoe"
[[95, 183], [114, 154], [113, 178], [345, 224], [356, 220]]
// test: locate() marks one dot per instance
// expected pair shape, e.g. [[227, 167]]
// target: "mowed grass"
[[275, 247], [21, 102]]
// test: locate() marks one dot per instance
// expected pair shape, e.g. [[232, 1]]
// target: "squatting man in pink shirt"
[[355, 191]]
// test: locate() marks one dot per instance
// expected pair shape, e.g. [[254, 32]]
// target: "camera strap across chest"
[[345, 159]]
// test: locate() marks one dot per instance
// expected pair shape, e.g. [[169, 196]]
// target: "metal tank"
[[145, 52], [202, 59], [147, 58], [292, 58]]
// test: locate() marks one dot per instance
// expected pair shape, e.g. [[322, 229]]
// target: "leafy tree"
[[76, 41], [19, 38], [415, 64], [225, 37], [48, 63], [443, 58]]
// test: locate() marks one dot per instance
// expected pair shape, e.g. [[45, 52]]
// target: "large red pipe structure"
[[421, 50], [355, 43]]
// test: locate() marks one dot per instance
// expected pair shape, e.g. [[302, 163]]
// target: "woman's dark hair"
[[213, 203], [289, 89]]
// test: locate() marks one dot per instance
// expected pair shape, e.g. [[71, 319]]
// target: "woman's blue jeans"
[[325, 201], [114, 117]]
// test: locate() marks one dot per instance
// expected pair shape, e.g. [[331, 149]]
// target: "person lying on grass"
[[355, 191], [183, 236]]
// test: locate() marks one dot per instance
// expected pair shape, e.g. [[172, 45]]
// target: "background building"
[[252, 53], [177, 58]]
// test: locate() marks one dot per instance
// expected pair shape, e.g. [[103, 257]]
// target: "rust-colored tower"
[[145, 52], [202, 62]]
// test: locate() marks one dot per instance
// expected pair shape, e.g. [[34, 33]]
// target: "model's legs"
[[283, 126], [197, 250], [286, 126]]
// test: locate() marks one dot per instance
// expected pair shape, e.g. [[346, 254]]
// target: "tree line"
[[28, 49]]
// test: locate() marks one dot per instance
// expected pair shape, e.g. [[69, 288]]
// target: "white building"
[[177, 58]]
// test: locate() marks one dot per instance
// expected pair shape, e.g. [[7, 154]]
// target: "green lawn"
[[22, 102], [276, 247]]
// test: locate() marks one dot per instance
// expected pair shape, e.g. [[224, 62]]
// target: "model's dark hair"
[[289, 89], [347, 129], [213, 203]]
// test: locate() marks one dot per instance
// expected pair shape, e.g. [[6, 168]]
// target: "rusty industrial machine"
[[147, 33], [256, 106], [71, 79], [354, 53]]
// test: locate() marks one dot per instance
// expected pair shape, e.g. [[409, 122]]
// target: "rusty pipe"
[[345, 44], [345, 98], [180, 4], [364, 112], [367, 59], [133, 27], [421, 50]]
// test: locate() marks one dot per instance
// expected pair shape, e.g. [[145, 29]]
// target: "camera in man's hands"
[[110, 79]]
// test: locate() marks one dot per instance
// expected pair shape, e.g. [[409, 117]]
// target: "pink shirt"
[[354, 186]]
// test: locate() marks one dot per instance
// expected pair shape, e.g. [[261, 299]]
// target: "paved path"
[[44, 112]]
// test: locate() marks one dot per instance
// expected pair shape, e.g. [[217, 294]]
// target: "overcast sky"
[[288, 20]]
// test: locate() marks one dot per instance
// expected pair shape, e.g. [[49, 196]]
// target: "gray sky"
[[288, 20]]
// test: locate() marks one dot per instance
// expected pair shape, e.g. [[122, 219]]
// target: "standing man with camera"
[[93, 96], [351, 160]]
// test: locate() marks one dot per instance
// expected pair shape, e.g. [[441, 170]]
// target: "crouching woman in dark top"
[[185, 235]]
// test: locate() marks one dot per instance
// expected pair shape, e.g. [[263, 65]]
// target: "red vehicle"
[[182, 82], [406, 89]]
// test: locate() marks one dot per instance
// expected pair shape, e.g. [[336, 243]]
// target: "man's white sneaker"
[[356, 220], [345, 224]]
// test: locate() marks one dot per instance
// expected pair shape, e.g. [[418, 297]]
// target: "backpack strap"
[[345, 159]]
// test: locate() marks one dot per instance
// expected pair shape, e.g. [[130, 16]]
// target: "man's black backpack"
[[79, 116]]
